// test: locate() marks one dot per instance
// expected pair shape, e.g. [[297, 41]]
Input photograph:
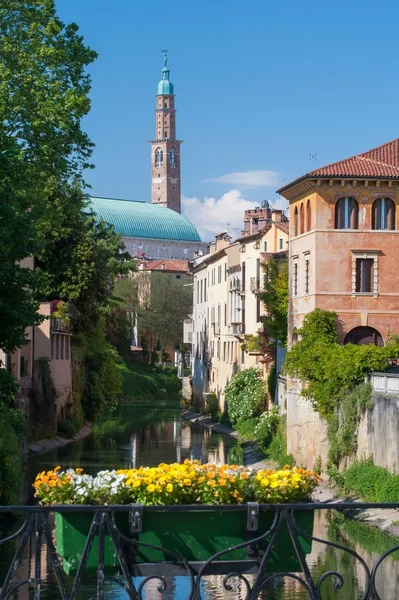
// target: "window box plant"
[[194, 530]]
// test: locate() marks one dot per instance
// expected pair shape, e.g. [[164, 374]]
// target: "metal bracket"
[[252, 516], [136, 518]]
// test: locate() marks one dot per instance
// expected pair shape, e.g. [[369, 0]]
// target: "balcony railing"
[[235, 329], [33, 547], [58, 324]]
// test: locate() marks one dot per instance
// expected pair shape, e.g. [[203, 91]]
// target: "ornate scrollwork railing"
[[121, 557]]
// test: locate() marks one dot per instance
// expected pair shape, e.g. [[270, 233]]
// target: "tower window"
[[172, 158], [166, 134], [165, 105], [158, 157]]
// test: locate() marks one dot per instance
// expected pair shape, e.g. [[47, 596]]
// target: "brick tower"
[[165, 149]]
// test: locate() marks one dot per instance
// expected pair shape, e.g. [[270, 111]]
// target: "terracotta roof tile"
[[283, 226], [168, 265], [379, 162]]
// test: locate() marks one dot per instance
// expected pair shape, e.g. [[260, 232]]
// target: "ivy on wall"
[[327, 366]]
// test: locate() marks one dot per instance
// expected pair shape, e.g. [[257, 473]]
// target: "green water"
[[148, 434]]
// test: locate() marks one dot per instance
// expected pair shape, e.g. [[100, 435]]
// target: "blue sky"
[[259, 87]]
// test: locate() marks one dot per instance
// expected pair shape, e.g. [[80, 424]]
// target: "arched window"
[[301, 219], [346, 214], [295, 221], [364, 336], [308, 216], [172, 158], [383, 214], [158, 157]]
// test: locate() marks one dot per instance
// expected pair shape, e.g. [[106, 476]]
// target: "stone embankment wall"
[[378, 431]]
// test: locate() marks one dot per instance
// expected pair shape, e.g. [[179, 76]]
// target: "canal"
[[147, 434]]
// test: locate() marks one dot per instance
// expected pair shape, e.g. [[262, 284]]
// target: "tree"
[[161, 303], [275, 299], [43, 97], [80, 258]]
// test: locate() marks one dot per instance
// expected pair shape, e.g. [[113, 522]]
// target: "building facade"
[[49, 340], [227, 307], [343, 245]]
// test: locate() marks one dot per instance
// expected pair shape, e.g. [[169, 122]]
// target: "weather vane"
[[165, 52]]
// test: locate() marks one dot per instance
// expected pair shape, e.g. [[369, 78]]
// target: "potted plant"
[[196, 532]]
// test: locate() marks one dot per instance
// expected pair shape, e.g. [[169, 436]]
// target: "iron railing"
[[250, 576]]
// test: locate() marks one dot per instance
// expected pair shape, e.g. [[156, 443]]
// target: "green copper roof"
[[165, 87], [144, 220]]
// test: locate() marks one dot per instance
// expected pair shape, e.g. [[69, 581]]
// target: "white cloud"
[[248, 178], [215, 215]]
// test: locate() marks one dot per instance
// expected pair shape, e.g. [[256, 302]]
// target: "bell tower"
[[165, 148]]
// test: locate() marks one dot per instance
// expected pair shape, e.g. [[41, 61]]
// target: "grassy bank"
[[369, 482], [144, 382]]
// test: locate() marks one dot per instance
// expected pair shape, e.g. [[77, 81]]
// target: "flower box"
[[196, 535]]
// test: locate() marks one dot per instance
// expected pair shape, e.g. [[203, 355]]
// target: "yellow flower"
[[151, 487], [264, 481], [222, 482], [169, 487], [78, 471]]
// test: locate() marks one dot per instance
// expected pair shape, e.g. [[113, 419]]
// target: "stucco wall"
[[306, 431], [377, 436]]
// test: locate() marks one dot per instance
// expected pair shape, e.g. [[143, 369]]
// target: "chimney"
[[276, 215]]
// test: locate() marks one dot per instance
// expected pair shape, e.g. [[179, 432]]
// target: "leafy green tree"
[[102, 385], [43, 97], [161, 303], [275, 299], [80, 258]]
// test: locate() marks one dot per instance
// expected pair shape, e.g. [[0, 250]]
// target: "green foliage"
[[79, 258], [102, 385], [277, 449], [246, 429], [70, 426], [42, 415], [275, 299], [161, 303], [43, 97], [267, 425], [212, 406], [343, 422], [329, 367], [144, 382], [11, 472], [370, 482], [245, 395]]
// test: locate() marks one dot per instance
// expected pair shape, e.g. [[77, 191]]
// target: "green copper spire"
[[165, 87]]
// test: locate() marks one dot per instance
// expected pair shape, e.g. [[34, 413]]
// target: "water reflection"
[[138, 435], [151, 433]]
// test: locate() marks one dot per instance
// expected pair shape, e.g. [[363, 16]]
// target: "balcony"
[[254, 285], [236, 329], [277, 539], [58, 325]]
